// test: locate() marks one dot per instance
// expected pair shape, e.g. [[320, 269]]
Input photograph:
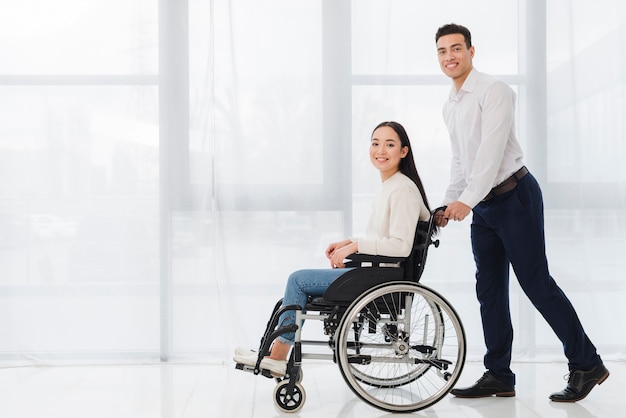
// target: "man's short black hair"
[[451, 29]]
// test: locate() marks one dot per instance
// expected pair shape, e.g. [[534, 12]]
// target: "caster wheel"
[[289, 402]]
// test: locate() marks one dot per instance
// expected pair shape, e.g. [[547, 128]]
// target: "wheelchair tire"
[[400, 347], [289, 401]]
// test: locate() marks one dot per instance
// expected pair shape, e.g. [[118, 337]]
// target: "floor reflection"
[[218, 390]]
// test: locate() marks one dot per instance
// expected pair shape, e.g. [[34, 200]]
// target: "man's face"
[[455, 58]]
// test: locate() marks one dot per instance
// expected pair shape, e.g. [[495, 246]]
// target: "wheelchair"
[[400, 346]]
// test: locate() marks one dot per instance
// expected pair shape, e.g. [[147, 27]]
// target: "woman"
[[398, 205]]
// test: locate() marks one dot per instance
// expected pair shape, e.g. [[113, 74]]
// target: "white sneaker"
[[240, 351], [247, 360], [278, 368]]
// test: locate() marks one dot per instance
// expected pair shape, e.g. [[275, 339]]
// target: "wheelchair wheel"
[[289, 400], [390, 332], [400, 347]]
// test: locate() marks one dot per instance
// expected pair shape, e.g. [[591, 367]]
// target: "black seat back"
[[414, 264]]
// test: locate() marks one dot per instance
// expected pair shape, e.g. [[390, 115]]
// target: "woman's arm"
[[392, 230]]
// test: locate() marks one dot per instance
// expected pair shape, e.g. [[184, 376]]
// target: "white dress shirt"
[[480, 118]]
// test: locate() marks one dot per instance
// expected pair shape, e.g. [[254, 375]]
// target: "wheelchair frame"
[[400, 346]]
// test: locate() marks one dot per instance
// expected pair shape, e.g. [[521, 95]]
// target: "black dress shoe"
[[580, 383], [487, 385]]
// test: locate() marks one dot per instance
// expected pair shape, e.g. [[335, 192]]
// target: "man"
[[489, 179]]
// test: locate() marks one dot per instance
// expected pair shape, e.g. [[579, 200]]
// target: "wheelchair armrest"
[[357, 260]]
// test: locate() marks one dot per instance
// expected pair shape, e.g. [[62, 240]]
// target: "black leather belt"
[[507, 185]]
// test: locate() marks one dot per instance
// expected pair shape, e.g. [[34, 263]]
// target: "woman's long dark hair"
[[407, 164]]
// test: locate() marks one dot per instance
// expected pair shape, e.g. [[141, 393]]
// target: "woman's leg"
[[280, 350], [300, 285]]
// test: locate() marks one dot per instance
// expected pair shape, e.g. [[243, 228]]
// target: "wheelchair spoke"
[[411, 347]]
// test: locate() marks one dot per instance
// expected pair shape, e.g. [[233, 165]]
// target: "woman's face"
[[386, 151]]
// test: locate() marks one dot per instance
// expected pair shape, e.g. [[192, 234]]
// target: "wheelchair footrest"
[[441, 364], [262, 372], [360, 359], [424, 349]]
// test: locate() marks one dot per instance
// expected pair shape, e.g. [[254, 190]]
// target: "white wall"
[[164, 165]]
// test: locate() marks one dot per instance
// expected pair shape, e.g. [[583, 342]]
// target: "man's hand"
[[440, 218], [457, 211]]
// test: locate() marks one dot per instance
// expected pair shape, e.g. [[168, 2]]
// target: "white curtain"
[[166, 164]]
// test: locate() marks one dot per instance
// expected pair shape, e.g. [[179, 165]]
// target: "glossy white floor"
[[205, 390]]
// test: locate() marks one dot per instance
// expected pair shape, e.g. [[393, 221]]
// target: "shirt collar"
[[468, 86]]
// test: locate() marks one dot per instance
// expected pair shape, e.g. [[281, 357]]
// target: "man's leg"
[[525, 243], [492, 290]]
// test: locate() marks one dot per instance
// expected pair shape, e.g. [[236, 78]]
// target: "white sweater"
[[397, 207]]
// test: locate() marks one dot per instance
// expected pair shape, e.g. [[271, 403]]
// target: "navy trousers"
[[509, 230]]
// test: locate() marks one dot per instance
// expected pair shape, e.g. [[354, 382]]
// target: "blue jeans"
[[300, 285], [509, 230]]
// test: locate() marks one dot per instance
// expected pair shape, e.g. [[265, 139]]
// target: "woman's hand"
[[334, 246], [338, 251], [340, 254]]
